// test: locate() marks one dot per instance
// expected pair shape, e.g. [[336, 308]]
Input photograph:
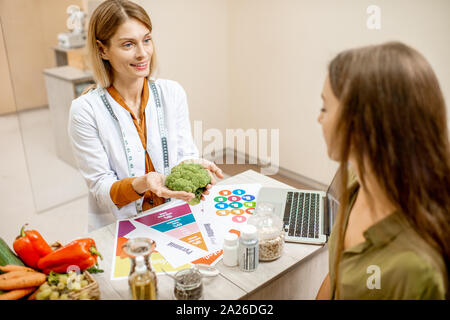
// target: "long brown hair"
[[103, 24], [392, 117]]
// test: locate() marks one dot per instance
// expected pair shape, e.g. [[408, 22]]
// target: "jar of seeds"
[[188, 285], [270, 232]]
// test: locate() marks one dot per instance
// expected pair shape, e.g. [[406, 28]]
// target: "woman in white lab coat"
[[131, 129]]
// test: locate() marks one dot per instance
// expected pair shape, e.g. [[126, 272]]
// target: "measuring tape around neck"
[[162, 133], [162, 128]]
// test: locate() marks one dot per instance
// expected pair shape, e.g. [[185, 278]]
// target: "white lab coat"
[[99, 151]]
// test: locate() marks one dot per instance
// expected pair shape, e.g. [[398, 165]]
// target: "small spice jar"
[[270, 232], [188, 285], [248, 248], [231, 250]]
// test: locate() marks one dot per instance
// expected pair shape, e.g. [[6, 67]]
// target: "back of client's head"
[[392, 121]]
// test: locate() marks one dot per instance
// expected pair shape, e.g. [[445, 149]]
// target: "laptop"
[[308, 215]]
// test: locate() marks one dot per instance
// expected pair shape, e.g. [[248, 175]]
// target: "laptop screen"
[[331, 204]]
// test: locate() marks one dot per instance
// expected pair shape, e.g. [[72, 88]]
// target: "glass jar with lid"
[[188, 285], [270, 231], [189, 282]]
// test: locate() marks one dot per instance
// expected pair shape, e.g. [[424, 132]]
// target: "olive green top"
[[393, 262]]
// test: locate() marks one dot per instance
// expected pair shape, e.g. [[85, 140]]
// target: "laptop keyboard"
[[301, 215]]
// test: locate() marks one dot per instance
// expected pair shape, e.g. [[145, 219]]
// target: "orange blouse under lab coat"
[[122, 192]]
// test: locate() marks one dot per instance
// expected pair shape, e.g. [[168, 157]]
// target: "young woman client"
[[384, 119]]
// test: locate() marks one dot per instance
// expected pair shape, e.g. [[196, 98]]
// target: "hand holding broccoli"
[[197, 175], [210, 166], [155, 182], [192, 178]]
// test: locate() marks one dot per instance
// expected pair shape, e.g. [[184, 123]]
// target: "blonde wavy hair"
[[103, 24]]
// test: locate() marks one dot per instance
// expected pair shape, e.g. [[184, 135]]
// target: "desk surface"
[[231, 284]]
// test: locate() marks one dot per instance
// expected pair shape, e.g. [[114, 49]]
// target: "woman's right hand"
[[155, 182]]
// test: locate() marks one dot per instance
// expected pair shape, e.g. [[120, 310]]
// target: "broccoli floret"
[[189, 177]]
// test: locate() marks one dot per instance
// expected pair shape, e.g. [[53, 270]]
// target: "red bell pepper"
[[81, 253], [31, 247]]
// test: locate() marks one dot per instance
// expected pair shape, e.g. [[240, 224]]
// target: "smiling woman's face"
[[130, 50], [328, 117]]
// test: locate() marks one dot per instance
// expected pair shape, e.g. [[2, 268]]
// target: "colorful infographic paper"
[[178, 223], [227, 208], [179, 240], [187, 235]]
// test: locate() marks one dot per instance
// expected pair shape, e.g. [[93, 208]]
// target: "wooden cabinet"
[[63, 85]]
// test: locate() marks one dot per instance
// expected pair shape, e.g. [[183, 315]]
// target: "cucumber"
[[7, 256]]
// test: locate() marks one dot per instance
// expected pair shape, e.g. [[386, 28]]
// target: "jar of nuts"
[[270, 232]]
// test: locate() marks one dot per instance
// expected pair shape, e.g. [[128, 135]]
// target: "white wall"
[[261, 63], [191, 42], [280, 50]]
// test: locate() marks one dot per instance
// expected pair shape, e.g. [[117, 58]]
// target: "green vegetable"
[[76, 286], [54, 295], [61, 286], [44, 294], [84, 283], [44, 286], [64, 296], [7, 256], [189, 177], [53, 278], [63, 279], [94, 269]]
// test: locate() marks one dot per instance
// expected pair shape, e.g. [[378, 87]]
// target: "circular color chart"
[[235, 202], [222, 212], [239, 219], [250, 210], [235, 205], [220, 199], [221, 205], [237, 212], [225, 193], [234, 198], [250, 204]]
